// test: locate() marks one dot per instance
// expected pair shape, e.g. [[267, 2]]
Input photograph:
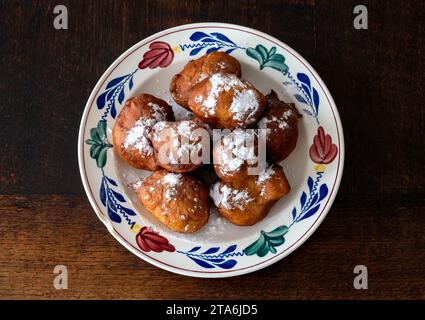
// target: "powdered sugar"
[[173, 180], [244, 105], [184, 141], [282, 121], [263, 177], [136, 136], [244, 102], [237, 148], [229, 198], [219, 83]]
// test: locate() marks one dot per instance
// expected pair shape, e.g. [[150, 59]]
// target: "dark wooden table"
[[376, 77]]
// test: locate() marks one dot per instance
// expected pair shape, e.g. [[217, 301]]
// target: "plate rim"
[[195, 273]]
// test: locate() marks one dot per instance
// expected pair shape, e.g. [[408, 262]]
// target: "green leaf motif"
[[268, 58], [94, 135], [95, 150], [253, 248], [262, 51], [90, 142], [278, 232], [99, 143], [101, 130], [267, 242], [101, 159], [251, 52]]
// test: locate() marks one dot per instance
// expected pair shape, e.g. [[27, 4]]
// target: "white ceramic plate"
[[220, 249]]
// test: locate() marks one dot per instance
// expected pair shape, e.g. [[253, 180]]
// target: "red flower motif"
[[323, 150], [159, 55], [149, 240]]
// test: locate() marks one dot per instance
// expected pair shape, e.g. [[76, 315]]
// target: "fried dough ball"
[[237, 152], [132, 127], [178, 200], [247, 202], [225, 101], [281, 121], [181, 146], [199, 69]]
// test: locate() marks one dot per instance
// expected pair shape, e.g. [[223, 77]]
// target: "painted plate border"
[[216, 273]]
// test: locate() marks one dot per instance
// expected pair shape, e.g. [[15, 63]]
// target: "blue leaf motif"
[[310, 212], [113, 110], [294, 213], [211, 250], [114, 82], [111, 181], [229, 249], [130, 84], [195, 51], [300, 98], [306, 89], [222, 37], [102, 193], [202, 263], [230, 51], [118, 196], [101, 100], [198, 35], [323, 191], [316, 99], [113, 215], [209, 40], [310, 183], [111, 204], [110, 94], [303, 199], [304, 79], [128, 211], [194, 249], [213, 49], [314, 200], [229, 264], [121, 96]]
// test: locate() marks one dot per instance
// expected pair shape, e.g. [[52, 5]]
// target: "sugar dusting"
[[218, 229], [230, 198], [174, 181], [136, 136], [263, 177], [237, 149], [244, 103], [282, 121], [185, 145]]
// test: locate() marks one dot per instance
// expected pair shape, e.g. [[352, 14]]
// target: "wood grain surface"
[[376, 77]]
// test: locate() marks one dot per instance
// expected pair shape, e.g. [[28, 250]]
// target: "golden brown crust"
[[132, 126], [281, 120], [246, 202], [199, 69], [179, 201], [225, 101]]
